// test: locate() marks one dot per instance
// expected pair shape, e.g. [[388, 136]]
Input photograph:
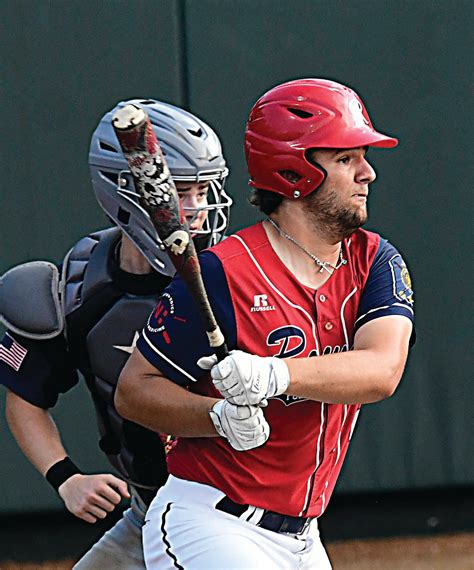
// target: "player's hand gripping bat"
[[159, 198]]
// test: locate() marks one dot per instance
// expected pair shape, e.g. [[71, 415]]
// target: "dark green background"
[[64, 63]]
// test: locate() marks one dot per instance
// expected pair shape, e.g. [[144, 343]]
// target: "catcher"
[[86, 317]]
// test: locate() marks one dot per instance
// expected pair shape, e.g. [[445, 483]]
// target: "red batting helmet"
[[300, 115]]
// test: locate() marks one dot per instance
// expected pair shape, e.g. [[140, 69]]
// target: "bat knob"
[[128, 117], [177, 242]]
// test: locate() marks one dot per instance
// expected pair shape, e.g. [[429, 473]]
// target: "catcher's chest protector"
[[104, 315]]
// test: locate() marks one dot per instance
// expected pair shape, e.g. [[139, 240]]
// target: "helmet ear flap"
[[316, 176], [322, 173], [291, 176]]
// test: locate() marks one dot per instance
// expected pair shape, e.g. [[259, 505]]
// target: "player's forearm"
[[35, 432], [359, 376], [370, 372], [160, 405]]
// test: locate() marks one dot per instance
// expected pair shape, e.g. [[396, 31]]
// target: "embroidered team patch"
[[164, 310], [12, 353], [402, 288]]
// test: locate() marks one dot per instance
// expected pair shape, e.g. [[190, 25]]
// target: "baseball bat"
[[158, 196]]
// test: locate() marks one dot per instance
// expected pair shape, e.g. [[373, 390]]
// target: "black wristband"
[[60, 472]]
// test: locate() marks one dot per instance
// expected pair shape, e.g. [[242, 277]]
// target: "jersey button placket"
[[328, 326]]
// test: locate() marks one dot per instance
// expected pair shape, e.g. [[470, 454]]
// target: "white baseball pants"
[[183, 530]]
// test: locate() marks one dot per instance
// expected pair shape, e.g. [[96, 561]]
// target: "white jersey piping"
[[161, 355]]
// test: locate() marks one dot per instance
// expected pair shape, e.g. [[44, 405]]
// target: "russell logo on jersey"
[[260, 303]]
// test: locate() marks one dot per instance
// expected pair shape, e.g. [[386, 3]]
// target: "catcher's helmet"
[[193, 153], [297, 116]]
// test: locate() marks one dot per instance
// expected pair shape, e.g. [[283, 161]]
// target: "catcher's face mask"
[[194, 155]]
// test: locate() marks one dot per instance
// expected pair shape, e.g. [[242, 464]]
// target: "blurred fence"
[[69, 62]]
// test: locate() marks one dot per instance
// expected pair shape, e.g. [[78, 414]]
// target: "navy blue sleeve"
[[36, 370], [174, 337], [388, 290]]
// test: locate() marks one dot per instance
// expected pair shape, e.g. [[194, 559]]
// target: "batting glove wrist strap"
[[60, 472], [279, 378], [214, 414]]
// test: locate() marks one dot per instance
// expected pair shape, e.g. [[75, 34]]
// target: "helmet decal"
[[355, 107]]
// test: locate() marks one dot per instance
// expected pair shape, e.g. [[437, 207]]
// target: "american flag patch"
[[11, 352]]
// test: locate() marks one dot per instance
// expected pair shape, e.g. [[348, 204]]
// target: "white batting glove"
[[245, 379], [244, 427]]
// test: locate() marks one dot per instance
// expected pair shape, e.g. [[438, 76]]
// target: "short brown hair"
[[266, 201]]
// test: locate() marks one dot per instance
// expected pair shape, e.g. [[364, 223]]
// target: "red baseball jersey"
[[264, 310]]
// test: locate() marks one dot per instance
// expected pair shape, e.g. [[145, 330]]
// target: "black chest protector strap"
[[88, 288]]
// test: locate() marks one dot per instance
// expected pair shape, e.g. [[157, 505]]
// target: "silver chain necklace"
[[323, 265]]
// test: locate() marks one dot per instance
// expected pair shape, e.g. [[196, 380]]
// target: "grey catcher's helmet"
[[193, 153]]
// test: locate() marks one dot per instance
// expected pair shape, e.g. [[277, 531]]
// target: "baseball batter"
[[318, 313], [88, 318]]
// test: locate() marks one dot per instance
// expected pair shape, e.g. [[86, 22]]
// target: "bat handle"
[[217, 342], [221, 351]]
